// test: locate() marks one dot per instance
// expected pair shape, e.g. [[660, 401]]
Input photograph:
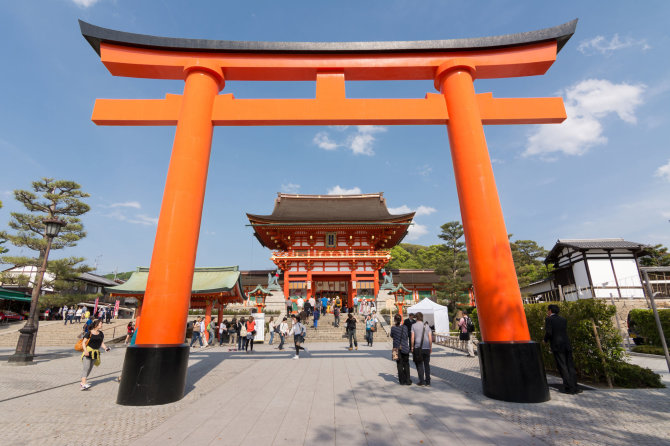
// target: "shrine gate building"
[[330, 245]]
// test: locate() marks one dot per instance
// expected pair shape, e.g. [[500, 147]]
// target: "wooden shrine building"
[[212, 287], [330, 245]]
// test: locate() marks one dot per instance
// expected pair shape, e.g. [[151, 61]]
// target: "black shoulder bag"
[[417, 355]]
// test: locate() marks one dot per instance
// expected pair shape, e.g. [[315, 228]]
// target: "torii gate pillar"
[[511, 365]]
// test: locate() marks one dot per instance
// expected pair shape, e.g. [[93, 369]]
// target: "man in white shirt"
[[283, 332]]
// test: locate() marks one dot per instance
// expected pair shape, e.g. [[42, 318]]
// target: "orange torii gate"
[[154, 370]]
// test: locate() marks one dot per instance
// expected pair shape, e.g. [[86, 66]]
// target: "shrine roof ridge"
[[95, 35], [330, 209]]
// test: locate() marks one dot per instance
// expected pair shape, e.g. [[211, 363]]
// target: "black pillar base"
[[513, 372], [153, 375]]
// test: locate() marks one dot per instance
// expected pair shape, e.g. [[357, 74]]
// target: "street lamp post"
[[25, 347]]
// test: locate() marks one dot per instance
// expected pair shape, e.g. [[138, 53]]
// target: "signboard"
[[259, 318]]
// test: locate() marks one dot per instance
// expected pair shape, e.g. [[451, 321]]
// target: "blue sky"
[[603, 173]]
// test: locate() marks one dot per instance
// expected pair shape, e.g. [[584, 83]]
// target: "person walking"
[[130, 329], [556, 334], [422, 347], [317, 315], [400, 337], [242, 335], [77, 315], [108, 314], [283, 332], [211, 327], [70, 316], [336, 314], [465, 327], [223, 332], [93, 340], [271, 329], [298, 331], [350, 325], [197, 333], [233, 331], [324, 305], [369, 329], [251, 334]]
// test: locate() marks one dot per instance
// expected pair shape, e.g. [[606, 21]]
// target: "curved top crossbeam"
[[96, 35]]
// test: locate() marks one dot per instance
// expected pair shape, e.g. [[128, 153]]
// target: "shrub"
[[649, 349], [588, 359], [644, 325], [633, 376]]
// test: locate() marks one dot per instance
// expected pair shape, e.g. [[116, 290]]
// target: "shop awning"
[[13, 295]]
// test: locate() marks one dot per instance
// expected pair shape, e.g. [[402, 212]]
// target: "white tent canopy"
[[434, 314]]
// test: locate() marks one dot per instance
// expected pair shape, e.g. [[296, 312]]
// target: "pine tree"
[[454, 267], [50, 199], [2, 239]]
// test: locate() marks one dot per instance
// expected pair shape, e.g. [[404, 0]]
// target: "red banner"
[[95, 309], [116, 308]]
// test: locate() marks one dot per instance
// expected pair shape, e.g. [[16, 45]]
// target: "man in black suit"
[[556, 333]]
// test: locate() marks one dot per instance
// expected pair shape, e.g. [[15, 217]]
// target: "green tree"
[[529, 261], [453, 268], [402, 259], [2, 239], [657, 256], [49, 199]]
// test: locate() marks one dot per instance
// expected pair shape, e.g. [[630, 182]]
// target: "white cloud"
[[601, 45], [421, 210], [586, 104], [126, 204], [85, 3], [142, 219], [337, 190], [139, 219], [425, 170], [415, 231], [323, 141], [360, 142], [663, 171], [404, 209], [290, 188]]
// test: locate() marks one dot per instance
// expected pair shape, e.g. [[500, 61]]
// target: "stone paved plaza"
[[328, 396]]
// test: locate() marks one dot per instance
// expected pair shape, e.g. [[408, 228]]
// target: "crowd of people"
[[104, 313], [331, 305]]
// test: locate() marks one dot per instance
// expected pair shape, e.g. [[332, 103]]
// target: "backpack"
[[469, 325], [276, 329]]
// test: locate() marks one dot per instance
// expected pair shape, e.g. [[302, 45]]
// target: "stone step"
[[56, 333]]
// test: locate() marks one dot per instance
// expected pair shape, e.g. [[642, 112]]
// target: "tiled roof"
[[330, 208], [595, 243]]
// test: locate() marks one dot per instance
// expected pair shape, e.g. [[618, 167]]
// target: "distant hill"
[[122, 276]]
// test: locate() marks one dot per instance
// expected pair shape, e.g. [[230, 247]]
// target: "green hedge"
[[643, 325], [588, 359], [648, 349]]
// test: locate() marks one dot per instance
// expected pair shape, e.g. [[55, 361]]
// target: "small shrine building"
[[330, 245]]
